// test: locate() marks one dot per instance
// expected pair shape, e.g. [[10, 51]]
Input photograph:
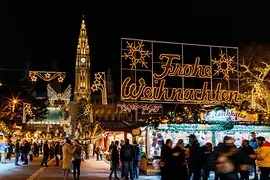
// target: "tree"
[[38, 104], [84, 125], [254, 73], [25, 94]]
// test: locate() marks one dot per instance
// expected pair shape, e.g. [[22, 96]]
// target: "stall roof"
[[115, 125]]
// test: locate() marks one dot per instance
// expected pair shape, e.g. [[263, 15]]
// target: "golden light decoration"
[[137, 54], [224, 65], [100, 84], [4, 128], [88, 112], [54, 96], [27, 111], [47, 76]]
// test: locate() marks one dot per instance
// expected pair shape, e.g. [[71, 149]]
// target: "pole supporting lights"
[[100, 84]]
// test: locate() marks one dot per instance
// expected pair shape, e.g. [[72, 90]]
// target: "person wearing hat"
[[195, 157]]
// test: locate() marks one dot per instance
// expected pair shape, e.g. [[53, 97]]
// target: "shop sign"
[[153, 74], [229, 114]]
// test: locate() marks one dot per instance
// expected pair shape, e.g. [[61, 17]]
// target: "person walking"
[[253, 143], [67, 154], [195, 160], [247, 157], [46, 153], [26, 151], [77, 158], [57, 152], [136, 163], [114, 159], [17, 152], [127, 155], [166, 160]]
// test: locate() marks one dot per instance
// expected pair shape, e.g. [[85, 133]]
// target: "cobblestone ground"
[[90, 170], [10, 171]]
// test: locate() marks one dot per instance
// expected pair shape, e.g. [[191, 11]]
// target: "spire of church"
[[83, 47]]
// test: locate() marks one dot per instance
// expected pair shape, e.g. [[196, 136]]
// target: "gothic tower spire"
[[82, 70]]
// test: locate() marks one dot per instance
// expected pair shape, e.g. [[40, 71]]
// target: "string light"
[[4, 128], [256, 79], [53, 96], [187, 95], [47, 76], [158, 92], [154, 108], [100, 84]]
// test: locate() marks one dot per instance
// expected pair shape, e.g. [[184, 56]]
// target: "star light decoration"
[[100, 84], [47, 76], [137, 54], [224, 65]]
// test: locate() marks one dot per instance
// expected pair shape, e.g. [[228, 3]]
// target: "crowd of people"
[[228, 162]]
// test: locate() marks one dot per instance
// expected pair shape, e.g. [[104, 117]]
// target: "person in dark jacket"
[[195, 158], [179, 168], [207, 150], [136, 163], [166, 160], [46, 153], [127, 156], [25, 151], [17, 152], [57, 152], [248, 155], [114, 159]]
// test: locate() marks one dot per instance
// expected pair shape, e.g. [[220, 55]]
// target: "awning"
[[110, 125]]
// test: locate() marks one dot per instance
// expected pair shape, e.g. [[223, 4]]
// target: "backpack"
[[128, 151]]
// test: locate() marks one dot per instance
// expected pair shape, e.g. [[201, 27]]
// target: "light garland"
[[203, 128], [4, 128], [64, 122], [88, 111], [53, 96], [256, 79], [100, 84], [47, 76], [153, 108]]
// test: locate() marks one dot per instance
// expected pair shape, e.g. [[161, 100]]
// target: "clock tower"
[[82, 70]]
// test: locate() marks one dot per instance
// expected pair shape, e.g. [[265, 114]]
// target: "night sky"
[[41, 32]]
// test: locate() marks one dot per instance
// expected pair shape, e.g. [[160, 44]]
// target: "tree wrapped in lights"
[[84, 124], [254, 73]]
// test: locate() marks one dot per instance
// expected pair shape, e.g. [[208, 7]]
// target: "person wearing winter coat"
[[247, 157], [67, 155], [263, 158]]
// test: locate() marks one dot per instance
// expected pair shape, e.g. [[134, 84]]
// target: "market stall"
[[212, 127]]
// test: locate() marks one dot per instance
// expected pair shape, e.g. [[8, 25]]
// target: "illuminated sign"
[[229, 114], [147, 76], [144, 108]]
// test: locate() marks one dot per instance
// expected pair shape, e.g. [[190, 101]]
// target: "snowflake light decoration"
[[137, 54], [224, 65]]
